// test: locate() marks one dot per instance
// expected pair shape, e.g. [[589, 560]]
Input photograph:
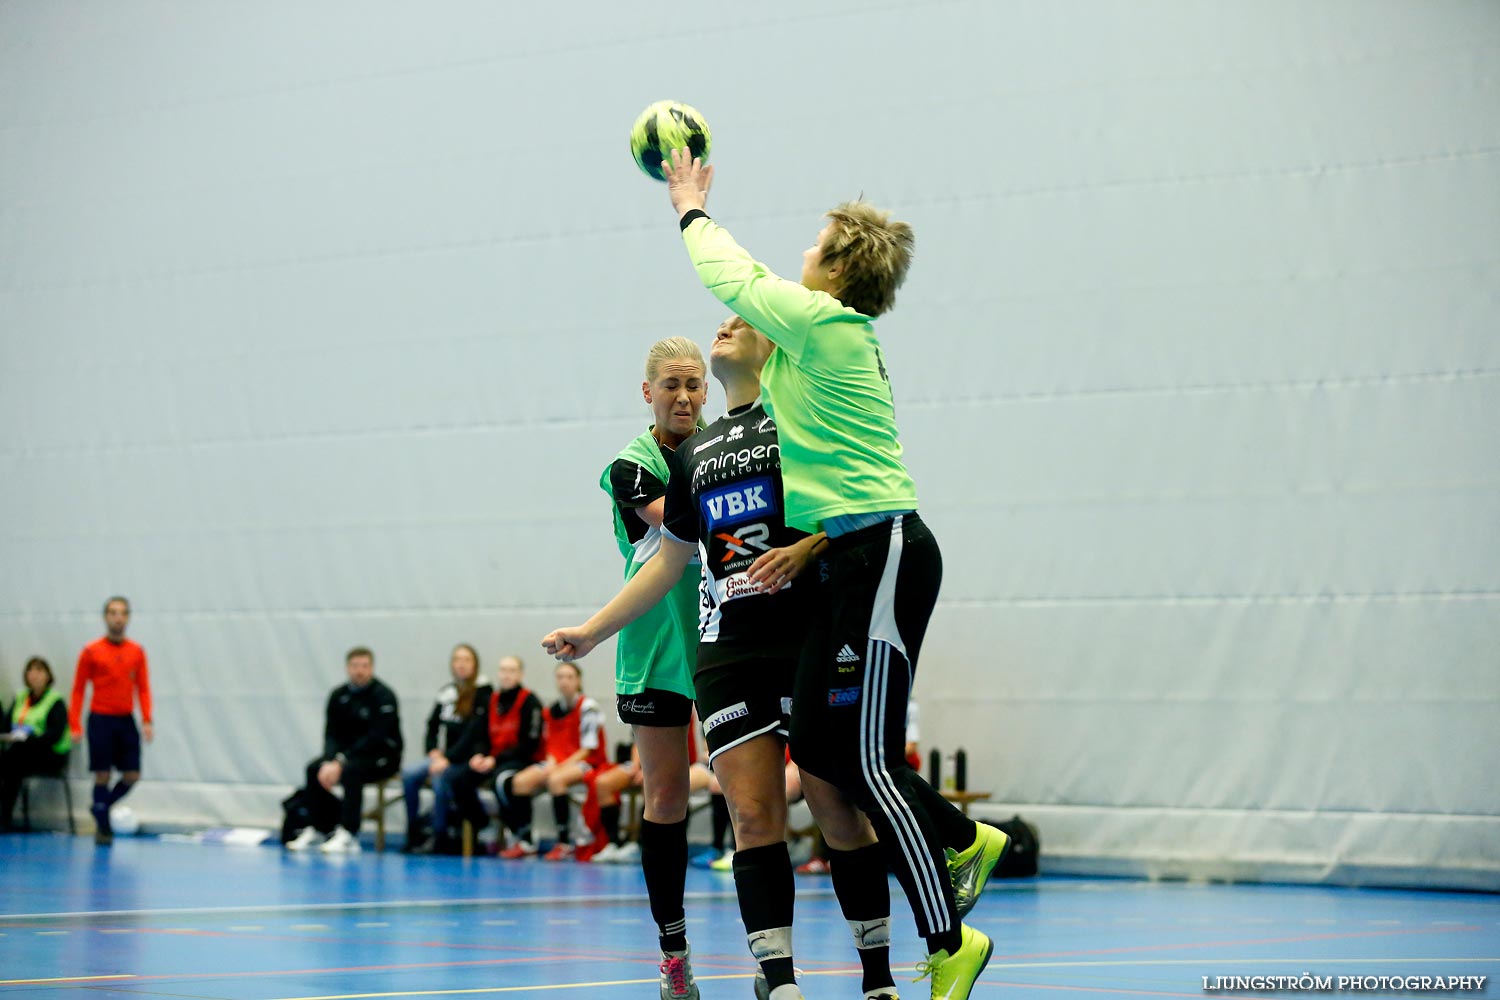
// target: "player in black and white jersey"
[[724, 502]]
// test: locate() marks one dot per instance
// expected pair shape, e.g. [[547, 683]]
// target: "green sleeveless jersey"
[[25, 712], [825, 385], [657, 649]]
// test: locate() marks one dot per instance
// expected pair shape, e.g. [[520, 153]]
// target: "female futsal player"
[[653, 665], [827, 387], [724, 502]]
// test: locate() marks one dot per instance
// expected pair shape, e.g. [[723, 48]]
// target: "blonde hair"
[[874, 253], [671, 349]]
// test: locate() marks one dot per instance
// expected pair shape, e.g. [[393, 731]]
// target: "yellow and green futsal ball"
[[663, 127]]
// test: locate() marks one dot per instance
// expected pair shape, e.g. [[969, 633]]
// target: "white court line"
[[504, 902], [894, 968], [844, 972], [62, 979], [501, 901]]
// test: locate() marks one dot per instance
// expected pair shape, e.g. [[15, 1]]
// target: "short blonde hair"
[[874, 252], [671, 349]]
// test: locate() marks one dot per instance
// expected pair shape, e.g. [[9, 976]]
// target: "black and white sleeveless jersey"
[[724, 494]]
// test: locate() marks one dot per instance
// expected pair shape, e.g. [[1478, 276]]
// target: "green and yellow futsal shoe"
[[970, 868], [953, 975]]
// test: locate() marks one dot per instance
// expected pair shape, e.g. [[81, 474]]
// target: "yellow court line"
[[63, 979], [490, 989], [517, 989]]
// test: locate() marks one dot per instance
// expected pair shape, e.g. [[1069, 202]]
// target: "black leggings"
[[878, 587]]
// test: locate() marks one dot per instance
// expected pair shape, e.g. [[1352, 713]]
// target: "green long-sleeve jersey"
[[825, 385]]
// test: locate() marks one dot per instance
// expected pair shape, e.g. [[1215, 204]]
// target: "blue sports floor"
[[153, 919]]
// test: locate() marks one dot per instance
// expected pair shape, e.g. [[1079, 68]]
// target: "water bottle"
[[935, 768], [961, 770]]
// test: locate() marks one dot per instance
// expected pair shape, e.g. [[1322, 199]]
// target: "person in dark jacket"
[[37, 738], [455, 731], [361, 744], [510, 741]]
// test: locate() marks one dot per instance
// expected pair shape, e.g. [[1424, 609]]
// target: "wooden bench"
[[964, 799], [383, 801]]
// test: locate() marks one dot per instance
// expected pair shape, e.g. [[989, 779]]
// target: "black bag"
[[296, 817], [1025, 848]]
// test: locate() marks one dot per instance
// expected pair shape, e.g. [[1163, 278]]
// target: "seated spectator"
[[602, 807], [602, 810], [572, 747], [454, 729], [361, 744], [38, 740], [509, 742]]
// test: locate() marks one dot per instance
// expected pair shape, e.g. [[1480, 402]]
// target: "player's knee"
[[670, 803], [758, 822], [558, 784], [846, 830]]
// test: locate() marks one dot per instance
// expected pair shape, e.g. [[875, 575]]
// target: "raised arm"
[[783, 310]]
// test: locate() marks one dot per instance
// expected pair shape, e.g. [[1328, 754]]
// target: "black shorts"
[[654, 708], [741, 699], [114, 743], [855, 672]]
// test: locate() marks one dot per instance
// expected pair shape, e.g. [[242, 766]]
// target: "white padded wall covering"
[[318, 323]]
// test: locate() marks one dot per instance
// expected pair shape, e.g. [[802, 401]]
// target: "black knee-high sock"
[[914, 852], [763, 881], [101, 807], [864, 894], [122, 788], [562, 814], [664, 856], [721, 821], [515, 811], [609, 818]]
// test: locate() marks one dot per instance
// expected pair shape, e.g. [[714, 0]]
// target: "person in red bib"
[[37, 738], [572, 746], [601, 809], [510, 743], [116, 667]]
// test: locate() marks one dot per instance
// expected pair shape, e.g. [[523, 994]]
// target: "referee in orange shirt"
[[117, 668]]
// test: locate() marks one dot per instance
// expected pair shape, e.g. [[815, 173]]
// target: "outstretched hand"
[[570, 643], [688, 181]]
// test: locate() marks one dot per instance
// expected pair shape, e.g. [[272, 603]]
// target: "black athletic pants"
[[878, 586]]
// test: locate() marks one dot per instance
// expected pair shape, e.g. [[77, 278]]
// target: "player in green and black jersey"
[[724, 502], [653, 658], [827, 387]]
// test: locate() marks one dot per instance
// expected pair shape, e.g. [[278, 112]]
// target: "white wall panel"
[[318, 323]]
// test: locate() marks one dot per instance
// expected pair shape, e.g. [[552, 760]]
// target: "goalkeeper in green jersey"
[[827, 387]]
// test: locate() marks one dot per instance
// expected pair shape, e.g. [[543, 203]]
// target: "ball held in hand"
[[663, 127]]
